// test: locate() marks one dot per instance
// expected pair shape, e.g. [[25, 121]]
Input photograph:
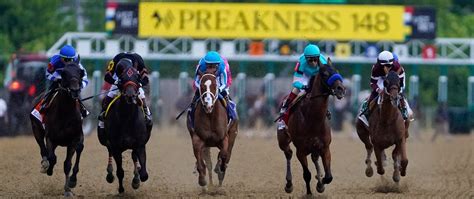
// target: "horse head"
[[71, 78], [129, 80], [392, 88], [208, 91], [331, 80]]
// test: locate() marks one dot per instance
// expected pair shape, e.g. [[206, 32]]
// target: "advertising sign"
[[279, 21]]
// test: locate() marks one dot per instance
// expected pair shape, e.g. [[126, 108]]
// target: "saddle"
[[39, 109], [116, 98]]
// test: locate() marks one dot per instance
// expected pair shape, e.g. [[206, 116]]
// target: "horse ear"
[[329, 61]]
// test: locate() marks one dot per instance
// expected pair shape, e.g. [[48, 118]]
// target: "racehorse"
[[309, 129], [211, 128], [386, 128], [62, 126], [125, 128]]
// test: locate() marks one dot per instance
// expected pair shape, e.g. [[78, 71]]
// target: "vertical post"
[[155, 94], [414, 87], [443, 84], [241, 90], [356, 82], [268, 81], [96, 76], [183, 83]]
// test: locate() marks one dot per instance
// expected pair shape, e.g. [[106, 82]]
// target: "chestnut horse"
[[386, 128], [62, 126], [309, 130], [211, 128]]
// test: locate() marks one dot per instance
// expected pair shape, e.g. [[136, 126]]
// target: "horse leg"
[[208, 161], [378, 163], [284, 144], [404, 159], [67, 170], [73, 179], [396, 163], [51, 156], [364, 137], [222, 159], [39, 137], [141, 153], [136, 165], [232, 135], [120, 172], [319, 175], [110, 168], [326, 157], [198, 146], [306, 173]]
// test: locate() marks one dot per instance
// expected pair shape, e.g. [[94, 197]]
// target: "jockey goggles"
[[386, 62], [65, 59], [311, 58], [212, 65]]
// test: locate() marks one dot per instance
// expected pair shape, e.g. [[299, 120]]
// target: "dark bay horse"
[[309, 130], [62, 126], [386, 128], [211, 129], [125, 128]]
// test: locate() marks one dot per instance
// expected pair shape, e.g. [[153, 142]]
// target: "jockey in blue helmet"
[[213, 63], [306, 67], [67, 54]]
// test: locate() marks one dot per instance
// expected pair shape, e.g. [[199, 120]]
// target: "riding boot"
[[147, 113], [403, 109], [287, 102], [100, 127], [105, 104], [328, 115]]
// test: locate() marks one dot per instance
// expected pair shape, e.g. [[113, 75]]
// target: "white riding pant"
[[113, 91]]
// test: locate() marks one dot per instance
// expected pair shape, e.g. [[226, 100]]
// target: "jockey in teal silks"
[[306, 67]]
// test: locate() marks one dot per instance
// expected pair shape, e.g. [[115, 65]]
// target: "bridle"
[[213, 96]]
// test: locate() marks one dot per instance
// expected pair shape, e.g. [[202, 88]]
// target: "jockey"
[[111, 77], [386, 61], [66, 55], [306, 67], [214, 63]]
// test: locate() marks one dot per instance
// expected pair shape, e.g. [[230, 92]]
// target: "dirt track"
[[257, 169]]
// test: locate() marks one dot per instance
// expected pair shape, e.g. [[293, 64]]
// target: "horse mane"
[[392, 78]]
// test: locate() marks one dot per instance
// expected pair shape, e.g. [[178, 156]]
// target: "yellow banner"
[[263, 21]]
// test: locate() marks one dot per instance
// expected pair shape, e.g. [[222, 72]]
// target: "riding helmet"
[[212, 57], [67, 51], [311, 50], [385, 58]]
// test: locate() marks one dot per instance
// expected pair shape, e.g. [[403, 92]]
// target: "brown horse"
[[309, 129], [386, 128], [211, 129]]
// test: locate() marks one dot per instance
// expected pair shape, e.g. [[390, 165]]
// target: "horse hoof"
[[144, 177], [380, 171], [72, 182], [110, 178], [369, 172], [396, 178], [49, 172], [202, 182], [68, 194], [327, 180], [44, 166], [135, 183], [289, 187], [403, 172], [121, 190], [320, 187]]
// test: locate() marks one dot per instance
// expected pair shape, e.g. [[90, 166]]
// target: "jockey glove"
[[304, 87], [379, 90], [108, 78]]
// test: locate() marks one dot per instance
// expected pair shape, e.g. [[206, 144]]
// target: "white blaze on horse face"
[[208, 99]]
